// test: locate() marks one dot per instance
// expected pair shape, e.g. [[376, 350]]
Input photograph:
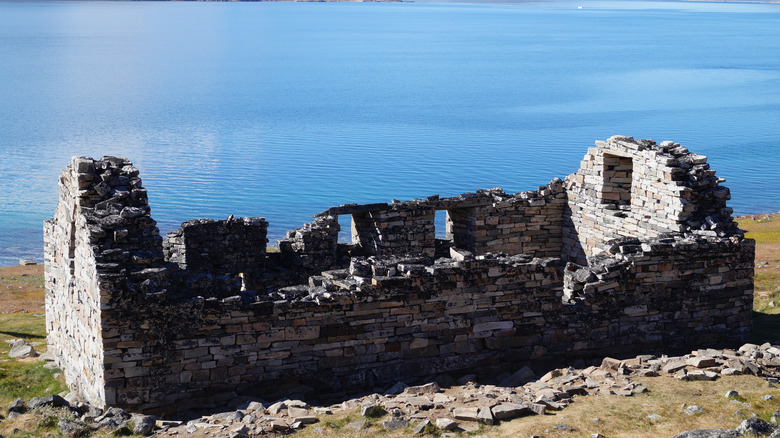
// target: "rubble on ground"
[[431, 407]]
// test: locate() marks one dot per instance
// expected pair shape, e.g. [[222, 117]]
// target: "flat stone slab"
[[466, 414], [702, 362], [702, 375], [508, 411]]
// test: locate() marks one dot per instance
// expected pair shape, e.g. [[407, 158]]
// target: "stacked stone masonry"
[[635, 252]]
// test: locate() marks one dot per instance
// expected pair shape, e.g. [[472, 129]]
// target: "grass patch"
[[25, 378], [765, 228], [30, 327], [338, 423]]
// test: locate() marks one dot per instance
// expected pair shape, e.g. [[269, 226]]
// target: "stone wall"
[[485, 221], [101, 247], [233, 247], [637, 188], [533, 278]]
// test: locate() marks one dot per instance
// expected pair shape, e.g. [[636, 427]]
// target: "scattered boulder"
[[230, 415], [702, 375], [446, 424], [694, 409], [112, 420], [50, 400], [372, 411], [277, 407], [21, 349], [485, 416], [17, 406], [702, 362], [419, 402], [357, 425], [255, 407], [564, 427], [398, 388], [395, 424], [295, 412], [756, 427], [466, 414], [508, 411], [143, 424], [72, 429], [425, 426], [429, 388]]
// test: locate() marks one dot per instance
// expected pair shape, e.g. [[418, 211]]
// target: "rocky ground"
[[430, 409], [462, 408]]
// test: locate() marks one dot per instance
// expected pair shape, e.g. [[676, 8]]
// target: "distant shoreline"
[[769, 2], [766, 2]]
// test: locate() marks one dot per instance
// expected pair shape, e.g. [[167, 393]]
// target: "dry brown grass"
[[21, 289], [628, 416], [617, 416]]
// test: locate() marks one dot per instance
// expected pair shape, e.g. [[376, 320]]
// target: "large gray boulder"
[[50, 400], [756, 427], [143, 424], [21, 349], [71, 429]]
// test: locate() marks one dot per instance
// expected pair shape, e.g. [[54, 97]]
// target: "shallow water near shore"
[[282, 110]]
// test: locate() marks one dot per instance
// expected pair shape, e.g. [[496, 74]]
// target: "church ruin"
[[635, 252]]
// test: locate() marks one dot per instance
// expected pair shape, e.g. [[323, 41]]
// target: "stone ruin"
[[636, 252]]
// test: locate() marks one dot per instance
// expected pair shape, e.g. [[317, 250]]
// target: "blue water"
[[284, 109]]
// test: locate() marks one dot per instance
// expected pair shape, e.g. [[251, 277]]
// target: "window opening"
[[618, 174], [443, 237], [440, 223], [345, 232]]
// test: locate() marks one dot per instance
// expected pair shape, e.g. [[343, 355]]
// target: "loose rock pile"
[[77, 418], [465, 405]]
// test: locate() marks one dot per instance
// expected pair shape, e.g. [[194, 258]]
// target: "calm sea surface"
[[284, 109]]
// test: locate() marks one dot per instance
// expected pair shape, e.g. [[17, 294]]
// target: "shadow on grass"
[[22, 335], [766, 327]]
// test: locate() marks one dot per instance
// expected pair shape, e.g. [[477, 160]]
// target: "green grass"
[[33, 280], [24, 378], [30, 327], [762, 228]]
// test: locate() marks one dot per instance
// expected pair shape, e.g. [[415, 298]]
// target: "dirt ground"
[[21, 289]]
